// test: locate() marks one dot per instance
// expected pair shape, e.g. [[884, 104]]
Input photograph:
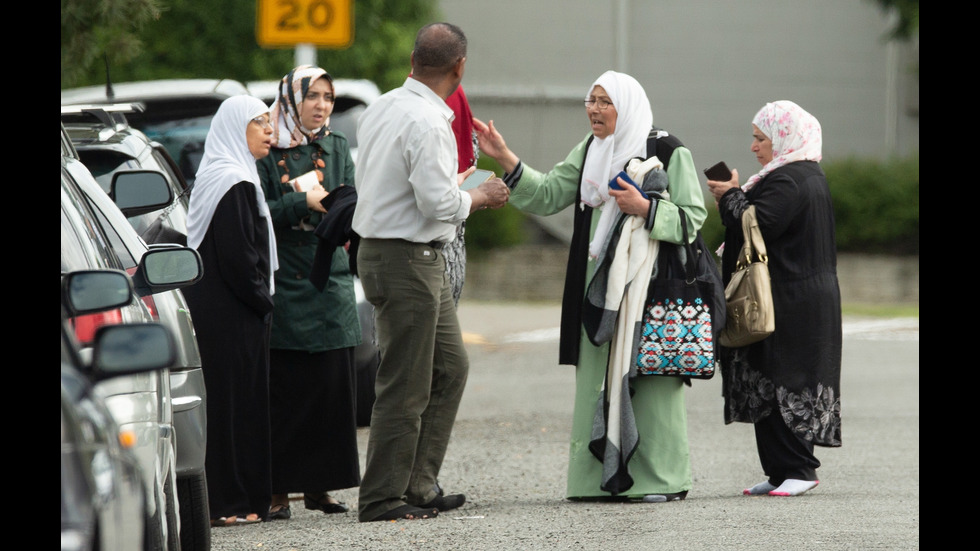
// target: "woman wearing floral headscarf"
[[314, 332], [641, 454], [228, 223], [787, 385]]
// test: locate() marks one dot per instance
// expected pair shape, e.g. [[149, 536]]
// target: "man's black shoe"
[[445, 503]]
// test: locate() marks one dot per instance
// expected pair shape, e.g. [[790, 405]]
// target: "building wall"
[[707, 67]]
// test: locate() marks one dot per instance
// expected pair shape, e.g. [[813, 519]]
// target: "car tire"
[[153, 536], [195, 516], [364, 401], [173, 526]]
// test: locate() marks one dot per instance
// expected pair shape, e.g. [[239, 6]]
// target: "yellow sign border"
[[270, 13]]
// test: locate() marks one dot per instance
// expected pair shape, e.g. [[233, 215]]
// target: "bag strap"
[[659, 139], [754, 246]]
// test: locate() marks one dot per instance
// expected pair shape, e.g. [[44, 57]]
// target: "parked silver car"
[[109, 148], [177, 112], [103, 502], [96, 235]]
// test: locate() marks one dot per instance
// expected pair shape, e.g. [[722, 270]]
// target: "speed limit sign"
[[286, 23]]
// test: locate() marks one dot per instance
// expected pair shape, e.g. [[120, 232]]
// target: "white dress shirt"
[[406, 168]]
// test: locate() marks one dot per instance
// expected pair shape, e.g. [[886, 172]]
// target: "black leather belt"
[[436, 244]]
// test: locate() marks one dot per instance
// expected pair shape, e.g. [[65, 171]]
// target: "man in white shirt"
[[409, 204]]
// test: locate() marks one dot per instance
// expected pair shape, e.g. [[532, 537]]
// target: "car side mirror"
[[123, 349], [91, 291], [166, 268], [138, 192]]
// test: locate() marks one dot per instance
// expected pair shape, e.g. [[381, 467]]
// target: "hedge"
[[876, 206]]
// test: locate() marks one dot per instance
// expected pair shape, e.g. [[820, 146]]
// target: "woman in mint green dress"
[[655, 465]]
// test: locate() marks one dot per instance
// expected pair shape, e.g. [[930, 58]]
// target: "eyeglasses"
[[262, 122], [601, 104]]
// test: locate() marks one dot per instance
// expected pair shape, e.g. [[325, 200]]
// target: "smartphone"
[[478, 177], [718, 172], [614, 183]]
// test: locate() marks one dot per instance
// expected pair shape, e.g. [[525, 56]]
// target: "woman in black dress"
[[788, 384], [229, 225]]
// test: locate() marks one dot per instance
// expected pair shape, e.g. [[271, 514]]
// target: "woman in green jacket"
[[656, 467], [314, 333]]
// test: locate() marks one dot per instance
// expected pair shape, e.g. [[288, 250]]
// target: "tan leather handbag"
[[748, 295]]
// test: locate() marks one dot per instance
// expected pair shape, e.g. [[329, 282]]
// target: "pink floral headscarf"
[[285, 110], [795, 135]]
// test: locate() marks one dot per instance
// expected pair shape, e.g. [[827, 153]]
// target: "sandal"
[[324, 504], [280, 511]]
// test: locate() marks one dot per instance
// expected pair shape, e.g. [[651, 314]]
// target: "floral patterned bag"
[[677, 335]]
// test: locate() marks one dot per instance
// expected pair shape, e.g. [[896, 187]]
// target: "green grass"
[[881, 310]]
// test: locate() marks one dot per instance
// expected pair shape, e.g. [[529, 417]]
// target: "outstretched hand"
[[492, 144]]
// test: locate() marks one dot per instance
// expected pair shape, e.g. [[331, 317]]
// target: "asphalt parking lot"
[[510, 450]]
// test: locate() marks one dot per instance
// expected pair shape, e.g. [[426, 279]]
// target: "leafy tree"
[[91, 29], [216, 39], [908, 18]]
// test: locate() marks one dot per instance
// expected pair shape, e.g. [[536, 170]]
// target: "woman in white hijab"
[[643, 455], [228, 223]]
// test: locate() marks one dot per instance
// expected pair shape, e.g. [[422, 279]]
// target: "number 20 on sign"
[[286, 23]]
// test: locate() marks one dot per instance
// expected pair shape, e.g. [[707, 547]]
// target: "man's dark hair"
[[438, 46]]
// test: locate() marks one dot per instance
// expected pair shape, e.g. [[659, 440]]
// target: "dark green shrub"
[[876, 205], [495, 228]]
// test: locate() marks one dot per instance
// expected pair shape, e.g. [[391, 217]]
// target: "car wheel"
[[173, 526], [195, 517], [366, 376], [153, 536]]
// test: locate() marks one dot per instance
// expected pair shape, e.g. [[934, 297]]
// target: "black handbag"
[[681, 318]]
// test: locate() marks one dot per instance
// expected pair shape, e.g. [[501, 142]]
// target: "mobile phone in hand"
[[718, 172], [614, 183], [474, 180]]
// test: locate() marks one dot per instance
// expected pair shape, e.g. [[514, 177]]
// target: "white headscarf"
[[795, 136], [228, 161], [607, 156], [286, 108]]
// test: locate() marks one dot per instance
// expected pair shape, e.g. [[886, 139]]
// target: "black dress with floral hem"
[[795, 372]]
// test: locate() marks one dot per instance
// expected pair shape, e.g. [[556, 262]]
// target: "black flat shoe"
[[322, 504], [280, 512], [445, 503]]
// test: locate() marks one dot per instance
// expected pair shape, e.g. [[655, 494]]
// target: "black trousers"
[[783, 454]]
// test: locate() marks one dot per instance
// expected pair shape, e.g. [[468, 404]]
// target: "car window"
[[115, 241], [82, 245], [103, 164]]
